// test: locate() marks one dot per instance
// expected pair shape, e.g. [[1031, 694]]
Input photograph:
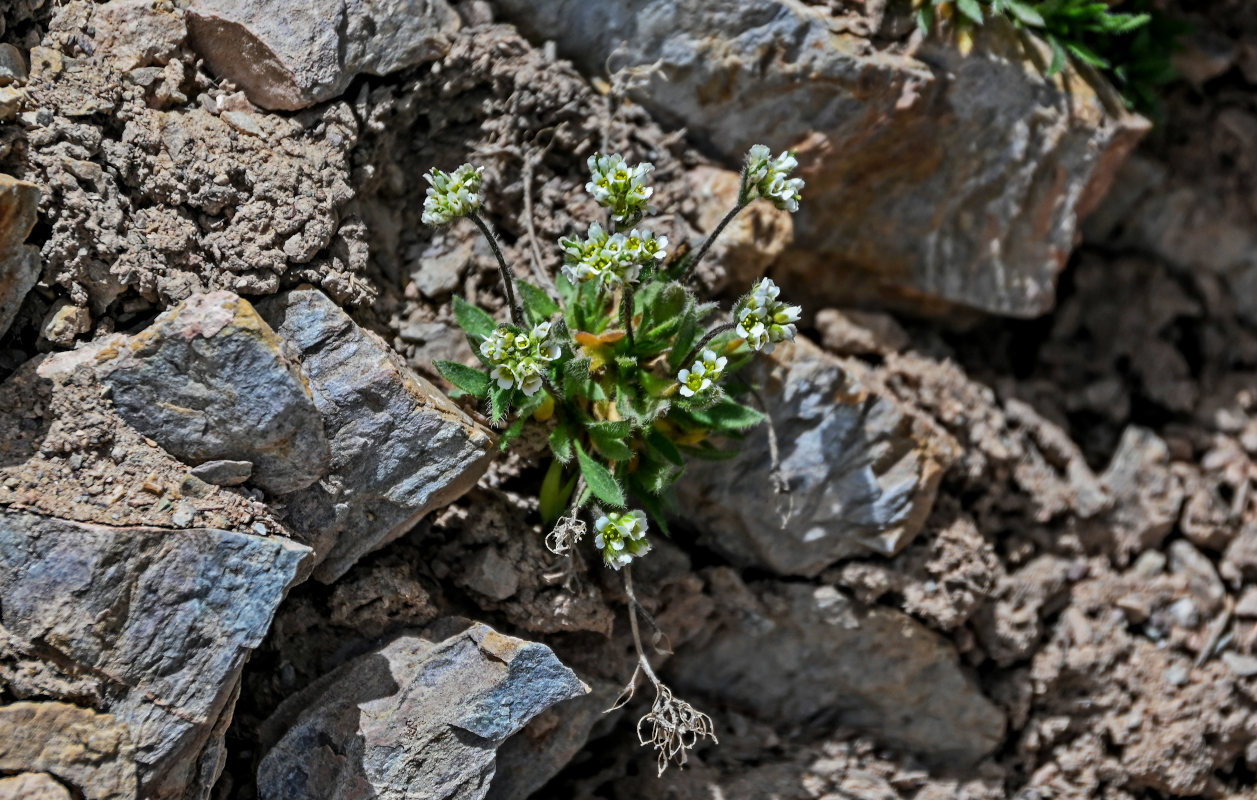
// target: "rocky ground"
[[249, 548]]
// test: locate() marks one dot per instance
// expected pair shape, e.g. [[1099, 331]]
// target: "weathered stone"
[[861, 472], [137, 33], [421, 717], [400, 448], [794, 653], [295, 54], [32, 786], [19, 263], [90, 750], [224, 473], [209, 380], [1146, 494], [162, 621], [1202, 579], [859, 333], [933, 177], [12, 65], [65, 322]]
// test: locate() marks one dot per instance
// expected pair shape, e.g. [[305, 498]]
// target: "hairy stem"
[[703, 342], [508, 275], [626, 312], [715, 234]]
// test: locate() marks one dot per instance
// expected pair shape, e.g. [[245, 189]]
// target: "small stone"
[[1177, 675], [243, 121], [89, 749], [1183, 612], [12, 65], [65, 322], [209, 380], [423, 716], [135, 33], [11, 100], [861, 470], [1149, 564], [224, 472], [1246, 608], [290, 54], [1136, 608], [1205, 585], [860, 333], [1242, 665], [19, 263], [492, 576], [182, 515], [441, 266]]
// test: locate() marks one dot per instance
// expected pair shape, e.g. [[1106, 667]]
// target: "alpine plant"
[[632, 372]]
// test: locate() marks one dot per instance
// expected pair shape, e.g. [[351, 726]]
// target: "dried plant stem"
[[675, 726], [508, 275]]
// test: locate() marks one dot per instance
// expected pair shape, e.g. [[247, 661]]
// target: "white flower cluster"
[[619, 187], [700, 376], [768, 177], [763, 320], [612, 259], [451, 195], [519, 358], [621, 537]]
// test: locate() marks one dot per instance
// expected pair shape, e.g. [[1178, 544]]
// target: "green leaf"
[[500, 400], [599, 479], [654, 509], [727, 415], [1025, 13], [470, 380], [1087, 55], [539, 306], [608, 438], [512, 433], [662, 445], [561, 442], [971, 9], [474, 321], [925, 18], [686, 337], [1059, 57]]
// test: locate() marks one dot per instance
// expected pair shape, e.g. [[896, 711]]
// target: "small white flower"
[[619, 187], [715, 366], [518, 357], [768, 177], [763, 320], [621, 537], [451, 195], [611, 260]]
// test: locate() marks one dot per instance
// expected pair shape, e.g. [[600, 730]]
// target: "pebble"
[[224, 472], [1149, 564], [1184, 613], [1247, 605], [12, 65], [1176, 675], [1242, 665]]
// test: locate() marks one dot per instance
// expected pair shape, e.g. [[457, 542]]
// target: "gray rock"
[[224, 473], [19, 263], [12, 65], [88, 749], [421, 717], [1146, 494], [861, 472], [161, 621], [795, 653], [931, 177], [400, 448], [289, 55], [859, 333], [209, 381]]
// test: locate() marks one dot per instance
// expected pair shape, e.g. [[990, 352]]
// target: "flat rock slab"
[[795, 653], [400, 448], [209, 381], [937, 179], [19, 263], [861, 471], [287, 54], [421, 717], [162, 620], [88, 750]]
